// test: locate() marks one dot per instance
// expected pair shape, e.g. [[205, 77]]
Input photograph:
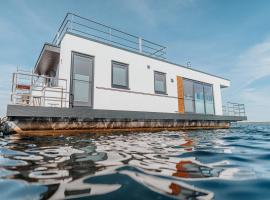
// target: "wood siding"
[[180, 94]]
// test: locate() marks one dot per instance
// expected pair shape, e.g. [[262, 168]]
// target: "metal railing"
[[91, 29], [35, 90], [234, 109]]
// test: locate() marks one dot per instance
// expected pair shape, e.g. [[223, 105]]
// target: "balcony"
[[36, 90]]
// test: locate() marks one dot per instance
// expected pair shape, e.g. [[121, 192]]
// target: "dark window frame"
[[124, 65], [195, 107], [212, 88], [193, 96], [71, 85], [203, 84], [165, 83]]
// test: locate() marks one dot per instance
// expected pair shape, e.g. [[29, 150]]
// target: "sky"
[[228, 38]]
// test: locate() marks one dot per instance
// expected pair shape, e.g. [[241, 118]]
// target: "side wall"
[[141, 96]]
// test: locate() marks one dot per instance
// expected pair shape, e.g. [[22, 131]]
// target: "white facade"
[[141, 95]]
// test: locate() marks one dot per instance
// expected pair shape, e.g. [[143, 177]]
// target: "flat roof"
[[142, 54], [48, 57]]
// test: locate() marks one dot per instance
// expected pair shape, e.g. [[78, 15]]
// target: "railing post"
[[110, 34], [61, 97], [140, 44], [71, 22], [57, 38], [12, 87]]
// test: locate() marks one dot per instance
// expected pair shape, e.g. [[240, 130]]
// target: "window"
[[160, 82], [119, 75], [209, 99], [188, 96], [198, 97]]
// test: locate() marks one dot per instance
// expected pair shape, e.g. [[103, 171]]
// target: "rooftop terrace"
[[88, 28]]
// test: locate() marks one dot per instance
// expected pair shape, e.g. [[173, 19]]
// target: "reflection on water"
[[220, 164]]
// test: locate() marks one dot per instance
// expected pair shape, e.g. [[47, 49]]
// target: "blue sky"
[[228, 38]]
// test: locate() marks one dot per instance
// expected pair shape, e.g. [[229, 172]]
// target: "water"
[[212, 164]]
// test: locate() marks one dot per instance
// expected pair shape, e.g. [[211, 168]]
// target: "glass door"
[[82, 80]]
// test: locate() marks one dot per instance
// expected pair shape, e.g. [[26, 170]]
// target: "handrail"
[[85, 27], [38, 90], [234, 109]]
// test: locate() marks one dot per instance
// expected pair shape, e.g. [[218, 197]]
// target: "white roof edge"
[[226, 82]]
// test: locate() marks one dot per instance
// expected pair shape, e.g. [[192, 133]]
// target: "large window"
[[198, 97], [160, 82], [188, 96], [209, 99], [119, 75]]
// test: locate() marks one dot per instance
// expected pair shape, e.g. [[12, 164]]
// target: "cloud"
[[253, 65]]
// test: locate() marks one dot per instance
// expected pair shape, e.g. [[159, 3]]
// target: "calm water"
[[219, 164]]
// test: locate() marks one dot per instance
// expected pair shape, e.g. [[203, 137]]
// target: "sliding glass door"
[[198, 97]]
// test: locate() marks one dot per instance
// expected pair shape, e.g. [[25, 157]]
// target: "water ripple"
[[220, 164]]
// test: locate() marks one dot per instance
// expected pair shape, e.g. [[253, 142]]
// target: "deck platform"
[[30, 120]]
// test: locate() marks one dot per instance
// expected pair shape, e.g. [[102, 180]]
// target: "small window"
[[119, 75], [160, 83]]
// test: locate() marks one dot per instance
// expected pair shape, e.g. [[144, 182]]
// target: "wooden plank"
[[23, 87], [180, 94]]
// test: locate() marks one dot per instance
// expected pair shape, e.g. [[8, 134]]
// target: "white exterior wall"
[[141, 79]]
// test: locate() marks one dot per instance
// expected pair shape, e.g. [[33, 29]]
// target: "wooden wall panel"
[[180, 94]]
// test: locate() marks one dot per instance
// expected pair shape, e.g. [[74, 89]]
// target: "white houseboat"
[[93, 77]]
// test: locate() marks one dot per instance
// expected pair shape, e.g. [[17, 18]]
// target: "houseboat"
[[95, 78]]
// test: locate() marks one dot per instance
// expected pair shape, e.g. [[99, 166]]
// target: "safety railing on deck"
[[90, 29], [35, 90], [234, 109]]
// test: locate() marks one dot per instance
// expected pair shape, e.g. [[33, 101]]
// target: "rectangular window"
[[188, 96], [209, 99], [160, 82], [199, 98], [119, 75]]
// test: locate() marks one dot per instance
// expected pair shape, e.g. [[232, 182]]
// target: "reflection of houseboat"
[[94, 77]]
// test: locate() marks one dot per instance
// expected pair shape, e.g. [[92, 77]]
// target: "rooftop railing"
[[234, 109], [94, 30]]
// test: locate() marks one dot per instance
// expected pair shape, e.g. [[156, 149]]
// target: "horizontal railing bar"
[[61, 25], [105, 39], [65, 27], [47, 97], [40, 76], [106, 33], [104, 25], [234, 109], [71, 18], [120, 37], [153, 43], [152, 48]]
